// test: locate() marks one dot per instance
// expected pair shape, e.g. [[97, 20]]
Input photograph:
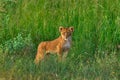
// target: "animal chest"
[[67, 45]]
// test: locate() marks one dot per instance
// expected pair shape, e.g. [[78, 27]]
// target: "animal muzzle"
[[65, 37]]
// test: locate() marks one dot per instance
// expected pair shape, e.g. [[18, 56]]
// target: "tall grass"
[[93, 56]]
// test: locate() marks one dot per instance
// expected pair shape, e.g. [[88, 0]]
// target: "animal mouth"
[[66, 39]]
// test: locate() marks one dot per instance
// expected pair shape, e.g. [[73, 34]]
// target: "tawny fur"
[[59, 46]]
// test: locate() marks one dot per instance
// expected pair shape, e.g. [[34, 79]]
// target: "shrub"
[[18, 45]]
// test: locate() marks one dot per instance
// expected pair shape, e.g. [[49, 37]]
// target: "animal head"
[[66, 32]]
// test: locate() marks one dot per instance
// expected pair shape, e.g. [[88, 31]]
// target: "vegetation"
[[94, 55]]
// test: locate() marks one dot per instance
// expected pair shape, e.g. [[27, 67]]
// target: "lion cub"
[[59, 46]]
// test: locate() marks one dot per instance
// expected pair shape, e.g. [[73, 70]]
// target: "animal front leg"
[[59, 52], [59, 56], [64, 55]]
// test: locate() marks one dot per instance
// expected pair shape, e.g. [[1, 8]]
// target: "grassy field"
[[94, 55]]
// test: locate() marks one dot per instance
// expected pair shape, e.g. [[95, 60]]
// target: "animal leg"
[[39, 55], [64, 55]]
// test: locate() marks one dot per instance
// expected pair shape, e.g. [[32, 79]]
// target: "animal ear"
[[71, 29], [60, 28]]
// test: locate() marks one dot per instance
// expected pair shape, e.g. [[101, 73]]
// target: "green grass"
[[94, 54]]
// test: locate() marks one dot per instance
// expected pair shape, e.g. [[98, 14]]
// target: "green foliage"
[[18, 45], [94, 54]]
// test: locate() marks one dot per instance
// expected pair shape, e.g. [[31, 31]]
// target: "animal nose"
[[66, 35]]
